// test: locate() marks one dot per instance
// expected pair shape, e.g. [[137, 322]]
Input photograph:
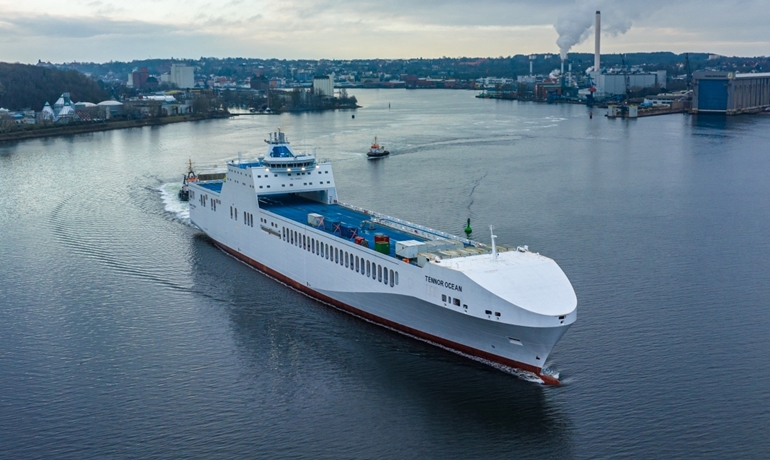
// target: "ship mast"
[[494, 247]]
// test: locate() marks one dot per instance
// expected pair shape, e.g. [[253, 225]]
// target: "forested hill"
[[23, 86]]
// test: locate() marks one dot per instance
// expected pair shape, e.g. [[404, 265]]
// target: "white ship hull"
[[510, 310]]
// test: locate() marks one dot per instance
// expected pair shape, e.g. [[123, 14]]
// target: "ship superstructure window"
[[326, 251], [379, 273], [346, 258], [356, 263], [396, 278], [456, 301], [443, 297], [392, 281], [368, 268], [385, 278]]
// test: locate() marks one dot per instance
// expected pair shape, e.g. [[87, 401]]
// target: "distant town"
[[78, 92]]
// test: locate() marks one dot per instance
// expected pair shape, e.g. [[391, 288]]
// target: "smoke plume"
[[575, 24]]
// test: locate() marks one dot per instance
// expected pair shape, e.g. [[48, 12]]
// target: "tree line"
[[28, 86]]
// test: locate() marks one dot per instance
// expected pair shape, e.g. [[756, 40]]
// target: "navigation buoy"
[[468, 229], [352, 116]]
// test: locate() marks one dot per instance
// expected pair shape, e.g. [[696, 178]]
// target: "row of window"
[[292, 185], [339, 256], [264, 221], [248, 218], [259, 176]]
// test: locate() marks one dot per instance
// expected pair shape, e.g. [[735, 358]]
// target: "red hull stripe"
[[547, 379]]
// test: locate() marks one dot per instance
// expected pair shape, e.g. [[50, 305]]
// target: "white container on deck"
[[409, 248], [316, 220]]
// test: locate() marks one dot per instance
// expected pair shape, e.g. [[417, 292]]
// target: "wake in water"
[[169, 193]]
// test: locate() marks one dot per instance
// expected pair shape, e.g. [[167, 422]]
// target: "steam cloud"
[[575, 24]]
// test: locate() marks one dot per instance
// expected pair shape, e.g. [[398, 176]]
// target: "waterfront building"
[[109, 109], [323, 85], [730, 93], [617, 82]]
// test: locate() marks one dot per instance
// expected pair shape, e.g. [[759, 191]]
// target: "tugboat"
[[190, 176], [377, 150]]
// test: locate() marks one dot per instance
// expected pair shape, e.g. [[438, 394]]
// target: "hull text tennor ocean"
[[281, 215]]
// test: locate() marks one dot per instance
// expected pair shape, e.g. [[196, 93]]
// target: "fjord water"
[[125, 334]]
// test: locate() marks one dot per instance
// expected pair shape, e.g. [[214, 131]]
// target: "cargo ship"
[[503, 305]]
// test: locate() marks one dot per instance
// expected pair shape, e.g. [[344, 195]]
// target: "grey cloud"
[[76, 27]]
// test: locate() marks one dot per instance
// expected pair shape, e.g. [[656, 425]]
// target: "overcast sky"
[[103, 30]]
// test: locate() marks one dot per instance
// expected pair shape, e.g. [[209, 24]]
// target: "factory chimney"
[[598, 27]]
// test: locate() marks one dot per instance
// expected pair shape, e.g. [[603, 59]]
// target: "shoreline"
[[93, 127], [69, 129]]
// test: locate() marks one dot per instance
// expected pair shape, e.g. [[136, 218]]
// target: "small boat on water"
[[377, 150], [190, 176]]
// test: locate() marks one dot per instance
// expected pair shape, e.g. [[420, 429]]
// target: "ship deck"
[[214, 186], [336, 219]]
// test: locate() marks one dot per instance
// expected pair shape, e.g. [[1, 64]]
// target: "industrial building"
[[610, 83], [730, 93], [181, 75], [617, 83], [323, 85]]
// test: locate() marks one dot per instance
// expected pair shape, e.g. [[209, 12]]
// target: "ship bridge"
[[281, 157]]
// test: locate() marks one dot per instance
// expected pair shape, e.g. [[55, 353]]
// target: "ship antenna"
[[494, 247]]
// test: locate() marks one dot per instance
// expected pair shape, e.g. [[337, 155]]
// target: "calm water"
[[125, 334]]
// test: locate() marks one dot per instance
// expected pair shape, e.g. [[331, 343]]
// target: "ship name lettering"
[[446, 284]]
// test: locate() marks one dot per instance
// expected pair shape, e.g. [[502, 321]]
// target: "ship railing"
[[410, 227]]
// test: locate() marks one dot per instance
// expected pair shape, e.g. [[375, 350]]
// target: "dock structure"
[[730, 93]]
